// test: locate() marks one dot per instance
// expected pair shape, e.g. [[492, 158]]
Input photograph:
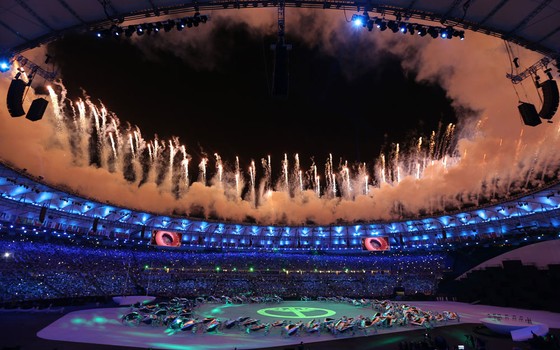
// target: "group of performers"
[[179, 315]]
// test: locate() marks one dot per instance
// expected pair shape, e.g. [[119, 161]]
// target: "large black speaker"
[[95, 222], [529, 114], [14, 100], [550, 99], [281, 73], [42, 214], [37, 109]]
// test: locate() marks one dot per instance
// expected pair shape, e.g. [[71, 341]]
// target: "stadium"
[[111, 241]]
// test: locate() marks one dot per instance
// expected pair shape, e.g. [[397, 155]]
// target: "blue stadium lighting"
[[4, 65], [358, 22]]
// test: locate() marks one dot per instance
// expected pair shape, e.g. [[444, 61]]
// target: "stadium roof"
[[534, 24]]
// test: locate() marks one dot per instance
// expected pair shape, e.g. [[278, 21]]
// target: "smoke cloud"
[[84, 147]]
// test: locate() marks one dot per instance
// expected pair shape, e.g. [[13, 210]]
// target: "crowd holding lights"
[[405, 27], [36, 270]]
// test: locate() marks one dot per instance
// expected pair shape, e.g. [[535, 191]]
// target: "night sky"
[[228, 108]]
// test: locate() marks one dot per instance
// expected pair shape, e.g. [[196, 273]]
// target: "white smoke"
[[496, 155]]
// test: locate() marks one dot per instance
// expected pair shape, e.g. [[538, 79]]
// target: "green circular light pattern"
[[296, 312]]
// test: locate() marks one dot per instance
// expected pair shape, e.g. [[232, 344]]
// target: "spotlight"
[[148, 28], [103, 33], [393, 26], [422, 31], [4, 65], [181, 24], [434, 33], [196, 19], [383, 26], [402, 27], [459, 33], [169, 25], [447, 33], [410, 28], [116, 31], [370, 25], [129, 31], [357, 20]]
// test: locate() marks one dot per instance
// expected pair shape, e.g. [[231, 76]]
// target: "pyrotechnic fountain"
[[422, 179]]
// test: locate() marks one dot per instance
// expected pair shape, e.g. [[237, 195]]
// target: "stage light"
[[393, 26], [446, 33], [129, 31], [459, 33], [4, 65], [422, 31], [402, 27], [180, 24], [357, 20], [116, 31], [434, 33], [370, 25], [410, 28], [139, 30], [148, 28], [383, 26], [169, 25], [103, 33], [196, 19]]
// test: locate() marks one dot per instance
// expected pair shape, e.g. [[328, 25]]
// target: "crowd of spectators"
[[34, 268]]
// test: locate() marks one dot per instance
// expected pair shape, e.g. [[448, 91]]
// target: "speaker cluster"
[[549, 107], [14, 101]]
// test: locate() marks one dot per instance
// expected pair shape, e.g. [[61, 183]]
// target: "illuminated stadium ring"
[[376, 243], [167, 238]]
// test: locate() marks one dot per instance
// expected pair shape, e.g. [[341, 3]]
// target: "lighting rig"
[[116, 31], [399, 26]]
